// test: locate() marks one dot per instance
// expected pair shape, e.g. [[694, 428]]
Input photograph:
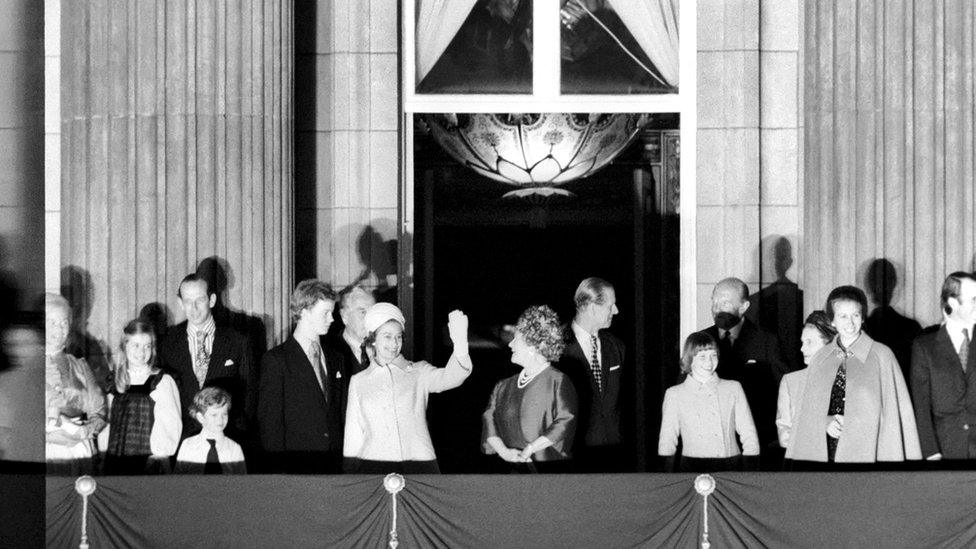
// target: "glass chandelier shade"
[[535, 152]]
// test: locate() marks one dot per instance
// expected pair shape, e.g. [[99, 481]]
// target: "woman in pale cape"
[[877, 422]]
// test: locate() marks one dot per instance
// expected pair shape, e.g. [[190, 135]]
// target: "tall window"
[[558, 56]]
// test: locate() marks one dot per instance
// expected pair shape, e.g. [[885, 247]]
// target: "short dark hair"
[[698, 341], [819, 321], [540, 327], [307, 293], [208, 397], [846, 293], [591, 290], [192, 277], [951, 288]]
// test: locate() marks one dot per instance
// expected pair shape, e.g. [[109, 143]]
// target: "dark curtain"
[[746, 510]]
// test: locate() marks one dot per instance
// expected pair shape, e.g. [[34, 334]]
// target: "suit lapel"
[[741, 343], [184, 360], [574, 349], [607, 359], [304, 367], [949, 354], [218, 353]]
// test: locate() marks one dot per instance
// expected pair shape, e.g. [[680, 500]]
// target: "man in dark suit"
[[200, 354], [943, 377], [593, 360], [347, 341], [302, 395], [750, 355]]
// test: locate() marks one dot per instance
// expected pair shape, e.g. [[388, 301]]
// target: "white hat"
[[381, 313]]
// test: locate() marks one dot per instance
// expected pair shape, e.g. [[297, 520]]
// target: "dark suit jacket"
[[944, 396], [294, 415], [230, 369], [351, 364], [598, 419], [756, 363]]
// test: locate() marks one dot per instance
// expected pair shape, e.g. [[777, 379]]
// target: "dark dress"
[[546, 406], [132, 423]]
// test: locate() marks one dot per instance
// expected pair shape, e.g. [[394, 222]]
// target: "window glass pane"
[[601, 55], [474, 46]]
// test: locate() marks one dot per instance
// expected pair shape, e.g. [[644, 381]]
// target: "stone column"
[[347, 147], [177, 125]]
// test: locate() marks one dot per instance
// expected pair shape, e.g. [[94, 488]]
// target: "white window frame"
[[546, 97]]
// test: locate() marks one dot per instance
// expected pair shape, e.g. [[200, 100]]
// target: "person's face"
[[603, 313], [139, 349], [318, 317], [354, 314], [704, 362], [521, 351], [727, 299], [214, 420], [56, 325], [964, 307], [389, 340], [847, 318], [810, 342], [195, 302]]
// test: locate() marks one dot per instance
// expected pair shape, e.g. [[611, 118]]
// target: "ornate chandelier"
[[535, 152]]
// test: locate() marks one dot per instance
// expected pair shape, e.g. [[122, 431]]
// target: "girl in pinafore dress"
[[144, 415]]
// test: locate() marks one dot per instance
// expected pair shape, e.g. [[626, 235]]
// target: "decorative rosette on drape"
[[535, 152]]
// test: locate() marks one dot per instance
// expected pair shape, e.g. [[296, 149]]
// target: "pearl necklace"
[[524, 378]]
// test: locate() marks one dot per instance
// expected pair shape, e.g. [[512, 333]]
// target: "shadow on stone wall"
[[220, 279], [779, 306], [78, 289], [378, 258], [886, 324]]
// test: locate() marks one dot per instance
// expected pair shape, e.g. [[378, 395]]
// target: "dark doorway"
[[492, 257]]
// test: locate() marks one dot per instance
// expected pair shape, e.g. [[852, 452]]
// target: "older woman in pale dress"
[[817, 332], [75, 406]]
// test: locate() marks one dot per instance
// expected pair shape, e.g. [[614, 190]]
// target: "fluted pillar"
[[176, 146]]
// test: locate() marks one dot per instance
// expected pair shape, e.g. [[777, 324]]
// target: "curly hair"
[[540, 327], [209, 397], [698, 341]]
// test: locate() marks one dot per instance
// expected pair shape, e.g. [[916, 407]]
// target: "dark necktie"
[[725, 349], [363, 359], [964, 349], [212, 466], [595, 364], [315, 355]]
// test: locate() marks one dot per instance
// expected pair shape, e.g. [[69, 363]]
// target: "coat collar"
[[859, 349]]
